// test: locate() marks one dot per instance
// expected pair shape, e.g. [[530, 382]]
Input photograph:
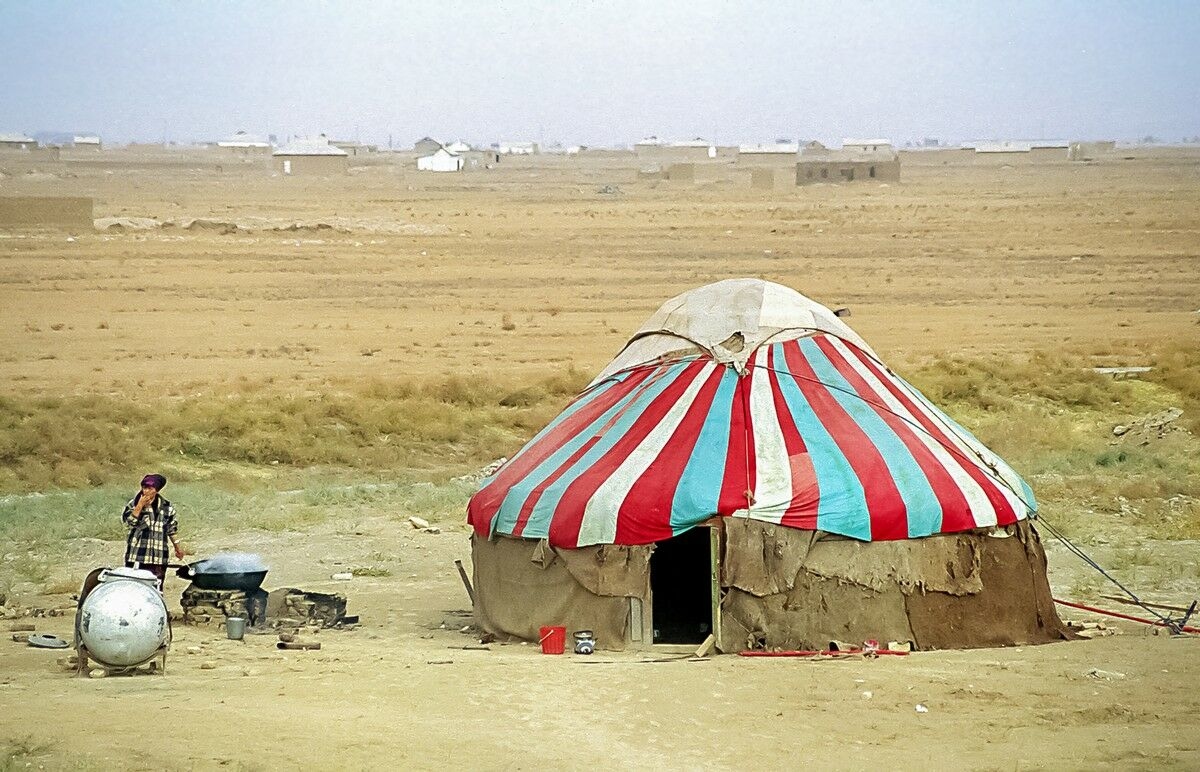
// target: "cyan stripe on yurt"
[[567, 412], [538, 525], [510, 509], [921, 504], [699, 489], [1008, 473], [842, 506]]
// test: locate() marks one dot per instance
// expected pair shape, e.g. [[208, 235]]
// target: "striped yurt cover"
[[798, 426]]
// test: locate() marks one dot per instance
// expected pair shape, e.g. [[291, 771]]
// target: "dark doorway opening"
[[681, 588]]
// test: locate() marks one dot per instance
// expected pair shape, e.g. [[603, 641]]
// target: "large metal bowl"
[[246, 581]]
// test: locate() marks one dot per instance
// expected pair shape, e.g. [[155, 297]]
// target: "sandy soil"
[[401, 692], [422, 274], [955, 258]]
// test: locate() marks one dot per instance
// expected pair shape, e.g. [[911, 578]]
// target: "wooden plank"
[[1121, 373], [714, 550]]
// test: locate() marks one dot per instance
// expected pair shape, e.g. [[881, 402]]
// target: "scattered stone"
[[97, 672], [899, 646], [868, 695], [194, 649], [492, 468], [1153, 427], [342, 576], [1120, 429], [921, 708], [431, 529], [419, 523], [209, 665], [20, 637], [1092, 629], [21, 627]]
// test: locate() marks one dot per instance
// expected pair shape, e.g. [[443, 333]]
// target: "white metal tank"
[[123, 621]]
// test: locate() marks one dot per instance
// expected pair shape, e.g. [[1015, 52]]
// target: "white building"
[[458, 147], [517, 148], [243, 141], [17, 142], [867, 145], [86, 142], [441, 161]]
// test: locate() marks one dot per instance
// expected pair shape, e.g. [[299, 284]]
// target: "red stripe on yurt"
[[1005, 514], [806, 496], [568, 515], [956, 511], [737, 482], [645, 514], [597, 434], [486, 502], [885, 505]]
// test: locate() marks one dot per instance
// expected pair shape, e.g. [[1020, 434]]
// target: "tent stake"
[[466, 582]]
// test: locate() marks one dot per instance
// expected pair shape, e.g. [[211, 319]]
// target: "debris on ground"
[[1104, 675], [482, 473], [1150, 428], [1091, 629], [423, 525]]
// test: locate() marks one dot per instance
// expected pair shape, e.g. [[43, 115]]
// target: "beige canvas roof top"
[[729, 320], [309, 147]]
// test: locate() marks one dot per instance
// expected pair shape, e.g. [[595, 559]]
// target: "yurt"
[[747, 468]]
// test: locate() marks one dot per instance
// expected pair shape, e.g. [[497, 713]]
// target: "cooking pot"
[[246, 581]]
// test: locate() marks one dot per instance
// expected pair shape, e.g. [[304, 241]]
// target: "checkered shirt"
[[147, 543]]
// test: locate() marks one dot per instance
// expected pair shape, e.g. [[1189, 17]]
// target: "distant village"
[[783, 161]]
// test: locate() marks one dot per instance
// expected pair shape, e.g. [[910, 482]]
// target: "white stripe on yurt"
[[599, 524], [966, 449], [981, 508], [772, 466], [1007, 478]]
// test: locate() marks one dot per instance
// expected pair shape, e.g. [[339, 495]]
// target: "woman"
[[152, 524]]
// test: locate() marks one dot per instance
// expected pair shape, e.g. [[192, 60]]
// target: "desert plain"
[[312, 361]]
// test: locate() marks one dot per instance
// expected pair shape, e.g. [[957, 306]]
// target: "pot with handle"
[[246, 581]]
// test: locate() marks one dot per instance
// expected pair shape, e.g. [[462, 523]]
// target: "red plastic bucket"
[[553, 639]]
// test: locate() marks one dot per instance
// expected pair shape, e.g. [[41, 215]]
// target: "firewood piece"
[[298, 645]]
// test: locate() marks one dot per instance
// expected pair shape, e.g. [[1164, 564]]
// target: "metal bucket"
[[235, 628]]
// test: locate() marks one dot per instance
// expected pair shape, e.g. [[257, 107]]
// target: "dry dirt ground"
[[427, 273], [421, 277], [400, 692]]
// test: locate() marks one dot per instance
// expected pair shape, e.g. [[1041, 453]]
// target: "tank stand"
[[156, 664]]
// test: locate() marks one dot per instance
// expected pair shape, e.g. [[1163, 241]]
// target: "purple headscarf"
[[156, 480]]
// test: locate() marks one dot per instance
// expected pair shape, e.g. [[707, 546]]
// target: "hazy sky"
[[602, 72]]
